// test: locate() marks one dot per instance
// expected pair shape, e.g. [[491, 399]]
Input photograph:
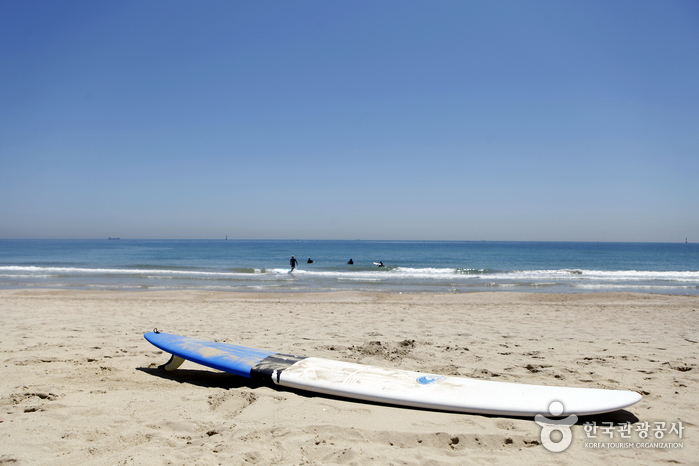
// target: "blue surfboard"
[[238, 360]]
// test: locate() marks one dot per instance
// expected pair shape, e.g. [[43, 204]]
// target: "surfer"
[[310, 261], [293, 262], [380, 264], [350, 262]]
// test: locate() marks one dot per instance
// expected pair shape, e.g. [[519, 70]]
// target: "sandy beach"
[[80, 384]]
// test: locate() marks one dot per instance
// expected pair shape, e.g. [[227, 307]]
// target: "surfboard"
[[389, 386], [284, 270]]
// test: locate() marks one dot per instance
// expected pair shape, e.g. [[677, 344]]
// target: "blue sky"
[[468, 120]]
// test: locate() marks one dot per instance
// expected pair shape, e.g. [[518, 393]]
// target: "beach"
[[80, 384]]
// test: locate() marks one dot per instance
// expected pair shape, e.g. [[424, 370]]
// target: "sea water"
[[410, 266]]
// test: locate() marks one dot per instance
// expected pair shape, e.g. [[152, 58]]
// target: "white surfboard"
[[391, 386], [421, 390]]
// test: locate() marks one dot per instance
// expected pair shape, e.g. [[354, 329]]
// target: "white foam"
[[86, 271], [601, 286], [616, 275], [393, 277]]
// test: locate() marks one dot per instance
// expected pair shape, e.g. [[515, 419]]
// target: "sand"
[[80, 384]]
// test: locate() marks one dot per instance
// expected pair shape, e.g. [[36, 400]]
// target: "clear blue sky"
[[466, 120]]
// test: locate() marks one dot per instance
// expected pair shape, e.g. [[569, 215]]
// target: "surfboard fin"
[[172, 364]]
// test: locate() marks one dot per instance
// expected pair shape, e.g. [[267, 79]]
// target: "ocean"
[[410, 266]]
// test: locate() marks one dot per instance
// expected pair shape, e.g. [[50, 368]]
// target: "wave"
[[396, 279], [70, 271], [606, 275], [428, 273]]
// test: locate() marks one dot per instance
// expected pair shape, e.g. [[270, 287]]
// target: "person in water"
[[350, 262], [310, 261], [381, 264], [293, 263]]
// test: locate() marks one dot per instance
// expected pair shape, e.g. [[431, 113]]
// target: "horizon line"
[[347, 240]]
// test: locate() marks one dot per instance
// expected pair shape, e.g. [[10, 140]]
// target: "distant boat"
[[113, 238]]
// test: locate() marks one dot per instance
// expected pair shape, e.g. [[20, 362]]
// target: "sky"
[[376, 120]]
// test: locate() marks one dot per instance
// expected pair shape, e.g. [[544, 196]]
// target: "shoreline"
[[81, 384], [282, 292]]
